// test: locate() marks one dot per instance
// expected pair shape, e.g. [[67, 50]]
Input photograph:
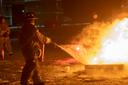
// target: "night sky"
[[73, 10]]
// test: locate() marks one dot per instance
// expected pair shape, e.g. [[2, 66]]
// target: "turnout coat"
[[32, 42]]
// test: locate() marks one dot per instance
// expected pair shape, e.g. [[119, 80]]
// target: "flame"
[[114, 48], [101, 43], [90, 42]]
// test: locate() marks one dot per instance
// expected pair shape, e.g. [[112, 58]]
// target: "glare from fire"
[[78, 48], [114, 47], [91, 42], [87, 43], [101, 43]]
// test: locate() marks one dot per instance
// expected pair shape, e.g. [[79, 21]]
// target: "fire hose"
[[54, 43], [72, 52], [62, 48]]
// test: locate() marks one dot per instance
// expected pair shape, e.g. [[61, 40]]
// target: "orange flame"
[[114, 46], [102, 43]]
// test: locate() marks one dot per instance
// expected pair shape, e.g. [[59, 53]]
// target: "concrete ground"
[[59, 68]]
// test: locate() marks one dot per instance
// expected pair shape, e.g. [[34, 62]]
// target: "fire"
[[114, 48], [78, 48], [101, 43]]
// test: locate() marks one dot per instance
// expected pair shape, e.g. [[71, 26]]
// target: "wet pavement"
[[59, 68]]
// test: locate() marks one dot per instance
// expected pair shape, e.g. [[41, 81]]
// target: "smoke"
[[91, 37], [105, 42], [101, 42], [89, 42]]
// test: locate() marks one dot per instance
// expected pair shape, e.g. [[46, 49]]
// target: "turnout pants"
[[32, 68]]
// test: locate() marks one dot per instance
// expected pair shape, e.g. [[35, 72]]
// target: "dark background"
[[83, 10], [68, 10], [73, 13]]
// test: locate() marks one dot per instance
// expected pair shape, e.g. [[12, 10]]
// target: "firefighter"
[[32, 44], [5, 42]]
